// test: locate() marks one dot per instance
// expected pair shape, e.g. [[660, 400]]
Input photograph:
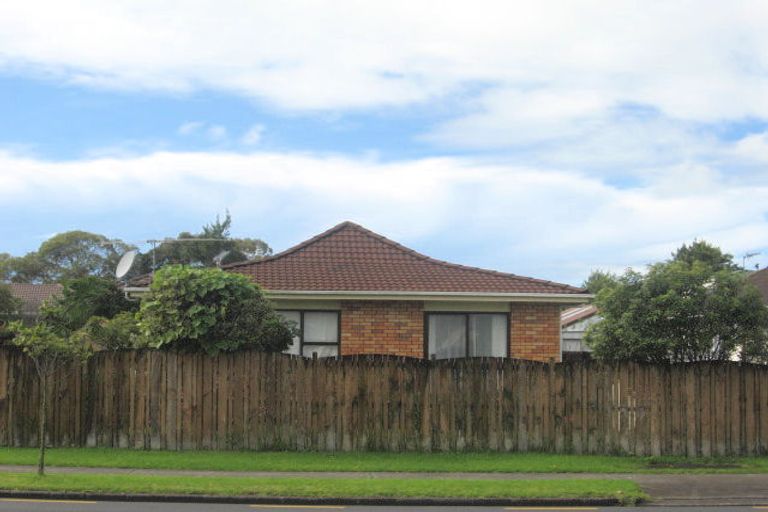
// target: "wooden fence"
[[159, 400]]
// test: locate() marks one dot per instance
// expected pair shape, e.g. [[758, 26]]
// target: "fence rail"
[[164, 400]]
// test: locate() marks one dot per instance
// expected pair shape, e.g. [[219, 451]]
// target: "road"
[[19, 505]]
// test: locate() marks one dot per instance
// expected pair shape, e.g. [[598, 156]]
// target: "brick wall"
[[382, 327], [535, 331], [397, 328]]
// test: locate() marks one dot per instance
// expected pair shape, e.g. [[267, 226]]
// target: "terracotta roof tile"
[[32, 296], [349, 257], [760, 280]]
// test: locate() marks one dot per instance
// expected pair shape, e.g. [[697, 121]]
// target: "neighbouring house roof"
[[572, 315], [350, 258], [760, 280], [32, 296]]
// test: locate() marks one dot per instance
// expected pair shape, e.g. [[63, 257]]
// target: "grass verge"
[[406, 462], [626, 492]]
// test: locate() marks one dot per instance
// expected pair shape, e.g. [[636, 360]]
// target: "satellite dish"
[[220, 257], [125, 264]]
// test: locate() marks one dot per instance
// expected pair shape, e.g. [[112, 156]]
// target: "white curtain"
[[447, 336], [487, 335]]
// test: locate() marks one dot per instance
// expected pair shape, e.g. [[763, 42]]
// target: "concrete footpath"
[[664, 489]]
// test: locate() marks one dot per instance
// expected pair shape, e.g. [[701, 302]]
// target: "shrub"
[[118, 333], [203, 309], [82, 299]]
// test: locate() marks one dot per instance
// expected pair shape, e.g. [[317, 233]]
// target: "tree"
[[683, 309], [703, 252], [203, 309], [69, 255], [213, 240], [9, 309], [48, 351], [5, 270], [598, 280], [82, 299], [120, 332]]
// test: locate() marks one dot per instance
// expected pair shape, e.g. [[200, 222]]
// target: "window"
[[451, 335], [318, 333]]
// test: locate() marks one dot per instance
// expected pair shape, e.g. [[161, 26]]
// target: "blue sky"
[[543, 138]]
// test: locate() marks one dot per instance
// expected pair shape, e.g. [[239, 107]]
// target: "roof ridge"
[[295, 248], [402, 248], [458, 265]]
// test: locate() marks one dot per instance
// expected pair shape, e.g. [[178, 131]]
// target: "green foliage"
[[70, 255], [214, 239], [47, 348], [5, 270], [684, 309], [9, 305], [118, 333], [83, 298], [209, 310], [706, 253], [9, 309], [598, 280]]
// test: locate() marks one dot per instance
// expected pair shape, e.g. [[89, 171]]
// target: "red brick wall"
[[397, 328], [535, 331], [382, 327]]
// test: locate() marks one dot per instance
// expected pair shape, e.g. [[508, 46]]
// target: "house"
[[574, 322], [352, 291], [760, 280], [32, 297]]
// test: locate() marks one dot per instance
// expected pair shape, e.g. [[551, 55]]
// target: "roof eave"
[[559, 298]]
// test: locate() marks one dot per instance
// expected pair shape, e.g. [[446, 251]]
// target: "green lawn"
[[410, 462], [627, 492]]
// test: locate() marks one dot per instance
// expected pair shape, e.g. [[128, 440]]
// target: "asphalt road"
[[19, 505]]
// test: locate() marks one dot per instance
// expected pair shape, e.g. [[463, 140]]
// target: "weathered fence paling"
[[251, 400]]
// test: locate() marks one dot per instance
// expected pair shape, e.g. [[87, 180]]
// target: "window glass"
[[447, 336], [321, 327], [487, 335], [294, 318], [321, 350]]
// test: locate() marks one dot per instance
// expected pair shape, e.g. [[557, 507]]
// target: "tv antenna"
[[746, 257]]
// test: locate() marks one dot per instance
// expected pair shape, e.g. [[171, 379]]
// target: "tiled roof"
[[349, 257], [760, 280], [573, 315], [32, 296]]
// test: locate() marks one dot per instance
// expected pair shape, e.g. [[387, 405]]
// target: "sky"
[[545, 138]]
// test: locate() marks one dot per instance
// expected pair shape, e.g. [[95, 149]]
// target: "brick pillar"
[[535, 331], [382, 327]]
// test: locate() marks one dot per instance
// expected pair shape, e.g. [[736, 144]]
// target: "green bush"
[[118, 333], [204, 309], [82, 299]]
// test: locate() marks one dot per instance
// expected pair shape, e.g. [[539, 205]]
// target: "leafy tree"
[[5, 270], [209, 310], [83, 298], [69, 255], [705, 253], [213, 240], [598, 280], [9, 308], [48, 351], [118, 333], [683, 309]]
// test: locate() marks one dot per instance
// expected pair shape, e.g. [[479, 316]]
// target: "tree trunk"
[[41, 427]]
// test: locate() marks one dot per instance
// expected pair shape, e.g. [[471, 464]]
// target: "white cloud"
[[253, 136], [553, 59], [190, 127], [213, 132], [542, 222]]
